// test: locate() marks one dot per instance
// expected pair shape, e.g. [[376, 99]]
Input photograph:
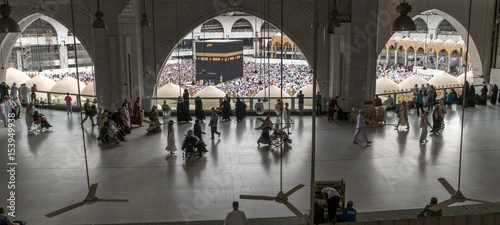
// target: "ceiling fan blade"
[[482, 201], [293, 209], [443, 204], [257, 197], [111, 200], [447, 186], [65, 209], [296, 188], [93, 189]]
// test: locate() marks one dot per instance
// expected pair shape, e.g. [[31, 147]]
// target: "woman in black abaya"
[[226, 110], [240, 110], [182, 112], [198, 109], [494, 94]]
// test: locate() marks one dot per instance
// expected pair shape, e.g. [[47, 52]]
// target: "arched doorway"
[[432, 49], [259, 72], [420, 25], [45, 51], [48, 46]]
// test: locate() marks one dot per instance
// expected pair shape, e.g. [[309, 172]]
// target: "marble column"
[[406, 58], [448, 64], [425, 59], [63, 56], [193, 41], [118, 58], [387, 55], [415, 60], [395, 56], [354, 57]]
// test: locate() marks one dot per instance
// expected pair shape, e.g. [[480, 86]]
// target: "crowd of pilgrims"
[[256, 77], [398, 72], [85, 77]]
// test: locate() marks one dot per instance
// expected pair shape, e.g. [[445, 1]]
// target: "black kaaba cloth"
[[219, 58]]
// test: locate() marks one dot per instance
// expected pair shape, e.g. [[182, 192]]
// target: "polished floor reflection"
[[395, 172]]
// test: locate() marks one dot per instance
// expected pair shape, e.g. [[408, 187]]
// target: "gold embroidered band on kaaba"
[[229, 54], [219, 56]]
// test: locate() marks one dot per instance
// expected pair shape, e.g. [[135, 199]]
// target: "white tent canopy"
[[275, 92], [307, 91], [68, 84], [410, 82], [444, 80], [210, 92], [42, 83], [89, 89], [170, 91], [470, 78], [14, 75], [385, 85]]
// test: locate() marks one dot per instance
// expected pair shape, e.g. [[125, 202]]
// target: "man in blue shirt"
[[419, 102], [4, 220], [214, 119], [349, 213]]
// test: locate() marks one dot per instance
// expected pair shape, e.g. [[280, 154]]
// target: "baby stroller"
[[279, 135], [189, 150], [104, 136]]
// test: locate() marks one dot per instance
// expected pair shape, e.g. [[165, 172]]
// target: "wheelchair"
[[189, 150], [279, 136], [39, 128], [104, 136]]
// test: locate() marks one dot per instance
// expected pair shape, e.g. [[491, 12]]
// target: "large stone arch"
[[420, 24], [444, 25], [202, 12], [26, 13], [457, 15], [252, 26], [205, 26]]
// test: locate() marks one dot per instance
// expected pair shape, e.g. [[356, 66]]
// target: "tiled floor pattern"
[[392, 174]]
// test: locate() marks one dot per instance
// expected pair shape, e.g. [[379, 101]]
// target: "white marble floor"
[[393, 173]]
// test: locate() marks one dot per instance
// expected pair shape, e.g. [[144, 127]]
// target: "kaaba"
[[219, 58]]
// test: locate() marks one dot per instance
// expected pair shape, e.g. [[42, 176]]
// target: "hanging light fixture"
[[99, 22], [7, 24], [145, 21], [403, 22], [334, 20]]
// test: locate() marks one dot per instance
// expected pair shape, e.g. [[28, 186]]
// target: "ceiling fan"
[[91, 197], [281, 197], [456, 195], [89, 200]]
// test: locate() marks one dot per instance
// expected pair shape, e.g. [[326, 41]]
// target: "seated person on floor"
[[39, 117], [193, 140], [4, 220]]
